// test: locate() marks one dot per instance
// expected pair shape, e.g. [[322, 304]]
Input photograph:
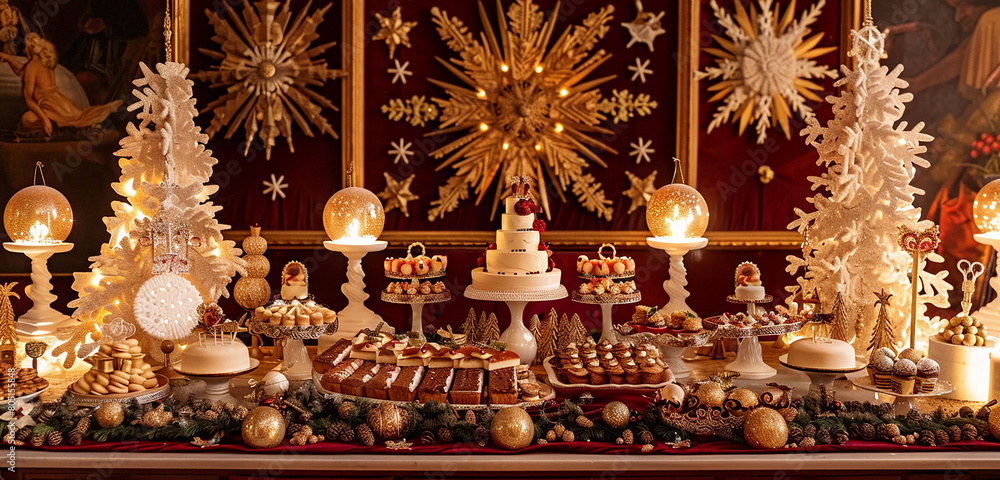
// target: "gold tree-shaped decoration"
[[267, 62], [8, 324], [525, 107], [882, 333], [840, 329], [469, 327]]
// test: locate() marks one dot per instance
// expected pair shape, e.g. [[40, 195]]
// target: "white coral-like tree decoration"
[[865, 194], [764, 71]]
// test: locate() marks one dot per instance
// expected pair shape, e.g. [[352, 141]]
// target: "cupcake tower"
[[907, 373], [605, 363], [416, 286], [608, 281]]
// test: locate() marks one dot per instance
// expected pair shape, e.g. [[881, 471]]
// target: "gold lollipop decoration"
[[35, 350], [970, 272]]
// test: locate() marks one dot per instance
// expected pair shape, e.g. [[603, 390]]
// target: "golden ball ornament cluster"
[[109, 414], [677, 211], [35, 206], [252, 290], [512, 428], [388, 421], [765, 428], [741, 400], [263, 427], [711, 394], [615, 414], [353, 213]]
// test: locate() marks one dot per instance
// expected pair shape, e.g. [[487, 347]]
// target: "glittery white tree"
[[865, 194], [166, 225]]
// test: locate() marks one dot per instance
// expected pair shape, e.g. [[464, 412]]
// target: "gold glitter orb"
[[254, 244], [353, 215], [38, 214], [765, 428], [251, 293], [512, 428], [677, 211], [110, 414], [711, 394], [615, 414], [740, 400], [388, 421], [35, 349], [263, 427], [257, 266], [266, 69], [986, 208]]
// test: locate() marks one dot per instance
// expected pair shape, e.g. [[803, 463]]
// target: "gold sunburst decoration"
[[267, 65], [525, 108], [764, 70]]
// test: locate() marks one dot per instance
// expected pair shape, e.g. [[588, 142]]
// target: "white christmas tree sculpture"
[[166, 226], [865, 193]]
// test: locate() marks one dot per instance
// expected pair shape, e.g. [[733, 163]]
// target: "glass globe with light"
[[986, 214], [38, 215], [353, 215], [677, 211]]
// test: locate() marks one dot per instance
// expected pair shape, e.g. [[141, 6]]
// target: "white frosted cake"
[[214, 354], [821, 353], [748, 285], [517, 263]]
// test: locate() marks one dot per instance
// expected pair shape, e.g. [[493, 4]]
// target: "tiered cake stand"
[[217, 384], [295, 362], [517, 337], [903, 403], [749, 360], [417, 301], [606, 301]]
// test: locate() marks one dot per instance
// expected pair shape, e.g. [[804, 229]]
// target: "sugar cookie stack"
[[118, 368]]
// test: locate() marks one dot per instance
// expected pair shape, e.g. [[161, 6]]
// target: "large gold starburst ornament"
[[526, 109], [266, 64], [763, 72]]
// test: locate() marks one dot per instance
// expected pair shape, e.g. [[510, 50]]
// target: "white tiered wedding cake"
[[516, 263]]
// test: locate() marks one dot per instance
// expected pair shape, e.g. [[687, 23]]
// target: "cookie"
[[150, 383], [118, 389]]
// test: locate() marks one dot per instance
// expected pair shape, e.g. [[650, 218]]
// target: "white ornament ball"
[[166, 306], [274, 383]]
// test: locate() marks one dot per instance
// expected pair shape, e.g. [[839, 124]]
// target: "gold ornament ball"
[[40, 205], [765, 428], [254, 244], [994, 422], [388, 421], [156, 418], [257, 266], [353, 213], [35, 349], [263, 427], [512, 428], [986, 208], [110, 414], [251, 293], [615, 414], [711, 394], [740, 400], [677, 211]]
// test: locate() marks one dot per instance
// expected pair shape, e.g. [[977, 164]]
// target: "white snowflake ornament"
[[641, 150], [641, 69], [399, 72], [276, 187], [401, 151]]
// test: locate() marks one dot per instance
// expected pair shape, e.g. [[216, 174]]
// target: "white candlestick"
[[42, 318]]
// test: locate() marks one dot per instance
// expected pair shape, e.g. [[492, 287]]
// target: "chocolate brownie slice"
[[404, 387], [355, 384], [503, 386], [332, 379], [468, 386], [436, 384], [378, 386], [332, 356]]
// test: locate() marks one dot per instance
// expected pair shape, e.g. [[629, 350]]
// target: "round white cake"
[[215, 354], [749, 293], [821, 353], [516, 264]]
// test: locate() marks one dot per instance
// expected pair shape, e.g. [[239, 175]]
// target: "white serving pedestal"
[[355, 316], [517, 337], [416, 303], [41, 319], [295, 362], [217, 384], [676, 284], [607, 301]]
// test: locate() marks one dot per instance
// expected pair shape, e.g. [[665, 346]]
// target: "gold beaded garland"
[[765, 428], [615, 414], [388, 421], [512, 428], [263, 427], [110, 414]]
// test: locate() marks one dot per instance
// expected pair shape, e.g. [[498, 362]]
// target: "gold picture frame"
[[352, 111]]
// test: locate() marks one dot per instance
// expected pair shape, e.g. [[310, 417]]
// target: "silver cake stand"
[[217, 384], [517, 336]]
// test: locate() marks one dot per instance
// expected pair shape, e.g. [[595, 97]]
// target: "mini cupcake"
[[632, 373], [603, 348], [652, 351], [927, 375], [883, 372], [911, 354], [616, 374], [887, 352], [620, 348], [606, 359], [904, 374], [651, 372], [597, 374], [577, 374]]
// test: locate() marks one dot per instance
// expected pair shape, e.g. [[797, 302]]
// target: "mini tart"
[[651, 372]]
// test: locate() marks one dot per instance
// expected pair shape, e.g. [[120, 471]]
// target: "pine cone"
[[559, 429], [293, 430], [809, 431], [646, 437], [984, 431], [584, 422], [911, 439], [647, 448], [867, 432], [568, 436], [83, 425], [347, 434], [969, 432], [551, 435], [75, 438], [347, 410], [927, 438], [628, 437], [899, 440], [336, 430], [888, 431], [44, 416], [37, 439], [807, 442], [54, 438], [823, 436], [427, 437], [794, 434], [445, 434], [470, 416], [239, 413], [955, 432], [365, 435], [941, 436], [482, 435], [23, 434], [218, 407], [840, 437], [209, 415]]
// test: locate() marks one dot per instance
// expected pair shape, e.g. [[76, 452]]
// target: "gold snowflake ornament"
[[267, 61], [524, 106], [397, 193], [763, 71], [394, 30]]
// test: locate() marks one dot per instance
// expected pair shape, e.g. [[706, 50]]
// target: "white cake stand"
[[295, 363], [217, 384], [676, 284], [821, 376], [416, 302], [517, 337], [607, 301], [903, 403]]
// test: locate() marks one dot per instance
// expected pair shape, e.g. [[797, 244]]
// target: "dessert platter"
[[608, 283], [119, 373], [28, 385], [905, 376], [415, 288], [603, 366], [517, 269], [672, 335], [823, 359], [380, 367]]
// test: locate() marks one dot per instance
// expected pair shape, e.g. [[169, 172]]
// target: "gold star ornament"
[[645, 27], [266, 64], [397, 193], [640, 191], [394, 30]]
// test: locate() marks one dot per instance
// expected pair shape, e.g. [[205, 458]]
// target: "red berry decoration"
[[983, 136], [492, 246], [986, 150], [524, 207], [552, 264], [481, 261], [974, 154], [538, 225]]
